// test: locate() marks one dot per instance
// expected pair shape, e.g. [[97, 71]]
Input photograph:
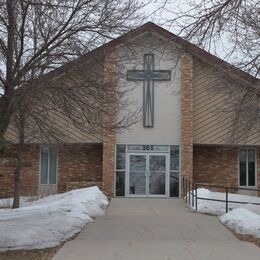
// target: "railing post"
[[186, 188], [226, 199], [192, 187], [189, 190], [196, 196], [183, 185]]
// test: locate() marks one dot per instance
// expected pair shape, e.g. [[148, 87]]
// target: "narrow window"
[[247, 167], [48, 165], [174, 170], [120, 169], [251, 167], [44, 165], [242, 167]]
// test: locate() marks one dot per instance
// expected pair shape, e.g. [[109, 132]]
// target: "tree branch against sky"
[[37, 36], [228, 28]]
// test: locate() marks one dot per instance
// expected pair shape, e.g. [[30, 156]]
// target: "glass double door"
[[147, 174]]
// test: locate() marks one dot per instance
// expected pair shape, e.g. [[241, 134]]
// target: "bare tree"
[[231, 26], [39, 36], [229, 29]]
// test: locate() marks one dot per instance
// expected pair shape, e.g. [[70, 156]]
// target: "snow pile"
[[49, 221], [219, 208], [243, 218], [243, 221], [8, 202]]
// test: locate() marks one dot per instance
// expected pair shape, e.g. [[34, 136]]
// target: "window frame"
[[178, 171], [48, 173], [247, 175]]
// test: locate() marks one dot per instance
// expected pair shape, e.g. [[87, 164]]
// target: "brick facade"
[[108, 165], [79, 165], [29, 175], [186, 116], [215, 165], [109, 134], [218, 165]]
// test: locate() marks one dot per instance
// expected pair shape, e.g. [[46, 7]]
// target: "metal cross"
[[148, 75]]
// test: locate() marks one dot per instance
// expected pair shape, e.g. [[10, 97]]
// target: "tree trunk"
[[16, 202], [20, 125]]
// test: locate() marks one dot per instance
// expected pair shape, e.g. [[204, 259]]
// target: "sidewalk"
[[155, 229]]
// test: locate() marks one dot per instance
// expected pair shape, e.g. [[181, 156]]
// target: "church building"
[[181, 129]]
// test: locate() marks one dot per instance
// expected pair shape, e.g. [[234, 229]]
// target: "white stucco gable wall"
[[167, 107]]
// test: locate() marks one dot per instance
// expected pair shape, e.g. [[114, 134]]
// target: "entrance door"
[[146, 175], [137, 184], [157, 175]]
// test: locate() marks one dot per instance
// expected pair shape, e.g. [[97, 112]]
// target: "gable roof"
[[151, 27]]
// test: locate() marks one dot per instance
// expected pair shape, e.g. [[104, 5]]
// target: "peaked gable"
[[151, 27]]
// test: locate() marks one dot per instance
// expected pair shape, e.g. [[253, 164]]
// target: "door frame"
[[167, 175]]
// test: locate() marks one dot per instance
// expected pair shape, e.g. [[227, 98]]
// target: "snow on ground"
[[8, 202], [49, 221], [243, 218], [243, 221], [219, 208]]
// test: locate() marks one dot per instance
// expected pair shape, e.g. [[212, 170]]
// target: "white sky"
[[161, 11]]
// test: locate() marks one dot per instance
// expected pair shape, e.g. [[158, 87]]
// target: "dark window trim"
[[40, 162], [247, 148]]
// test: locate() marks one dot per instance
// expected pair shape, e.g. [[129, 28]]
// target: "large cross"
[[148, 75]]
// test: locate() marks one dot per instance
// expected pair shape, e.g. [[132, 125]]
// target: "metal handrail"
[[191, 186]]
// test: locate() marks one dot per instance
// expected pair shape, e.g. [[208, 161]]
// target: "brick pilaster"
[[109, 134], [186, 116]]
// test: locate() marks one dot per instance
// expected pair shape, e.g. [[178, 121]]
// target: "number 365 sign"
[[148, 148]]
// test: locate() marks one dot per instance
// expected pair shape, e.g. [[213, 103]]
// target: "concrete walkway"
[[155, 229]]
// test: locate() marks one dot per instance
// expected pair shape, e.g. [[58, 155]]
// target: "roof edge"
[[150, 26]]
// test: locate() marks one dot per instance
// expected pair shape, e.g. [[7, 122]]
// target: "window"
[[174, 170], [120, 169], [247, 163], [48, 167]]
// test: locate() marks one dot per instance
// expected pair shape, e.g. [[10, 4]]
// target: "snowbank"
[[243, 218], [8, 202], [49, 221], [219, 208], [242, 221]]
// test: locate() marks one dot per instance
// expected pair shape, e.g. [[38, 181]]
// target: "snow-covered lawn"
[[8, 202], [49, 221], [243, 218]]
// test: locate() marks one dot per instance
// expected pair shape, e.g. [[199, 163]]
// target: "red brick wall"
[[79, 165], [29, 174], [186, 116], [218, 165], [109, 119]]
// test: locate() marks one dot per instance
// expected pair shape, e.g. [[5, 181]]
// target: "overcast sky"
[[163, 11]]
